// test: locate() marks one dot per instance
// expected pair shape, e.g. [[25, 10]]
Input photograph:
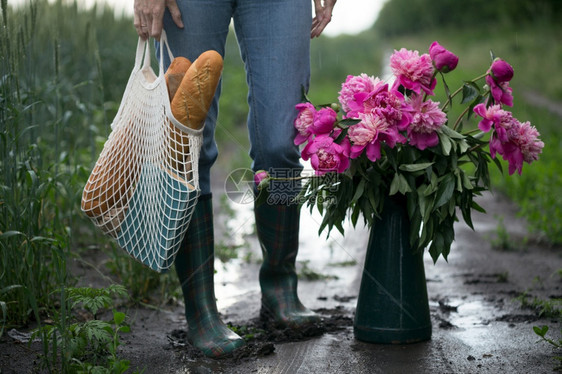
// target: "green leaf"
[[459, 184], [451, 133], [463, 146], [437, 247], [445, 142], [426, 189], [264, 184], [466, 181], [118, 317], [415, 167], [348, 122], [474, 205], [41, 239], [31, 178], [425, 206], [304, 94], [395, 185], [359, 191], [9, 288], [540, 331], [124, 329], [403, 186], [355, 215], [9, 234], [470, 91], [446, 87], [498, 164], [445, 191], [341, 136]]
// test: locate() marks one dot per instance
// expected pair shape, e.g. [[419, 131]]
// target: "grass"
[[55, 100], [502, 240]]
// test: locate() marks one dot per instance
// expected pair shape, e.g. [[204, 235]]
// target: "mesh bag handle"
[[145, 183]]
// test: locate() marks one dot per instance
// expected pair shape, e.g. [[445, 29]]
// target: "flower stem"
[[471, 132], [450, 99], [292, 178], [475, 147], [458, 121]]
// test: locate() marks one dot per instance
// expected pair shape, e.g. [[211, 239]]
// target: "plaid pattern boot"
[[278, 233], [195, 268]]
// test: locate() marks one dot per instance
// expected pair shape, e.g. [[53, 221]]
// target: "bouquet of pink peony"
[[391, 139]]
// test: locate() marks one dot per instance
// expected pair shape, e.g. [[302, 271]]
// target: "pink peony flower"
[[326, 155], [494, 116], [354, 91], [388, 104], [443, 60], [528, 139], [370, 132], [427, 118], [522, 145], [304, 121], [501, 71], [413, 71], [324, 120], [501, 92]]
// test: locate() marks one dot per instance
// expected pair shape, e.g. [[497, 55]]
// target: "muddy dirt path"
[[478, 326]]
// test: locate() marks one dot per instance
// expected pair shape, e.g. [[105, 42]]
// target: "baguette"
[[192, 101], [175, 73], [195, 94], [110, 181]]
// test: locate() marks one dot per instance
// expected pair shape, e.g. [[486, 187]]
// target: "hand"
[[323, 16], [149, 15]]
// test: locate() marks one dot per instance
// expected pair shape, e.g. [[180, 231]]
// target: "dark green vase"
[[392, 306]]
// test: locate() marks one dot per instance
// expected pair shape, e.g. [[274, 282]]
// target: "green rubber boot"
[[195, 268], [278, 233]]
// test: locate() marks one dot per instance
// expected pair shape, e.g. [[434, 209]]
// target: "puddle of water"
[[472, 320], [330, 256], [470, 314]]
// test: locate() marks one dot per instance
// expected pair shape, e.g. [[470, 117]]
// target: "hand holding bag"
[[143, 187]]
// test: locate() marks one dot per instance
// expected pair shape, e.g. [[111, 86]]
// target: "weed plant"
[[542, 331], [88, 346]]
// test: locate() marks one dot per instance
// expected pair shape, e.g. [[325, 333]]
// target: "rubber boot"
[[278, 232], [195, 268]]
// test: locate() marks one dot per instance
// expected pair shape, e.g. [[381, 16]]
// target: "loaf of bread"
[[195, 94], [192, 100], [109, 184], [175, 73]]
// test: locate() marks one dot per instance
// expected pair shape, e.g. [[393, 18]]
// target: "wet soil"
[[479, 323]]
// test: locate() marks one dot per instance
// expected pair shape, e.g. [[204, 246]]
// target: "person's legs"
[[206, 26], [274, 38]]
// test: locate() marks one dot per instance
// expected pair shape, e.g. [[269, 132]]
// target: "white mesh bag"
[[144, 185]]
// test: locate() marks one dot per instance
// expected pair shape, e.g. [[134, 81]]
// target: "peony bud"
[[443, 60], [259, 176], [501, 71]]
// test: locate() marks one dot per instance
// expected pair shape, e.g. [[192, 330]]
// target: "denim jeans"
[[274, 41]]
